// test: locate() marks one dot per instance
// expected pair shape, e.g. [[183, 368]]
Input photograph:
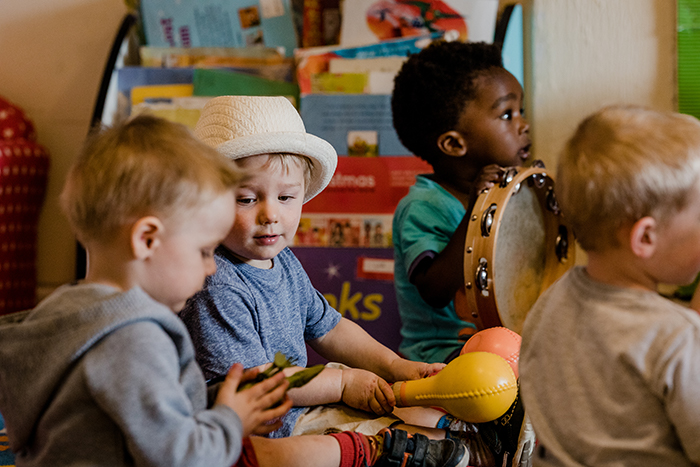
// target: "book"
[[320, 22], [348, 121], [368, 186], [185, 110], [259, 61], [370, 21], [214, 82], [317, 59], [218, 23], [129, 77], [358, 282], [152, 93]]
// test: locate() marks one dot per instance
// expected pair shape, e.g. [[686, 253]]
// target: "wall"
[[581, 54], [52, 53], [584, 54]]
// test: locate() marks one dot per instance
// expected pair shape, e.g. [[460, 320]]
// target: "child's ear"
[[452, 143], [643, 237], [146, 236]]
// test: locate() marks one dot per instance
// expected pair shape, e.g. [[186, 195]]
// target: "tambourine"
[[517, 245]]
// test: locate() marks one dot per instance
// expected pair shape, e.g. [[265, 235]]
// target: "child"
[[609, 369], [457, 108], [103, 372], [260, 301]]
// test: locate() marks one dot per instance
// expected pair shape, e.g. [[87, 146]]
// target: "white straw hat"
[[242, 126]]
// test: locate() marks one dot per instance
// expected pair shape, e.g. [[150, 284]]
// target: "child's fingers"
[[432, 369], [280, 410], [387, 393], [249, 374], [275, 395], [233, 377], [384, 397]]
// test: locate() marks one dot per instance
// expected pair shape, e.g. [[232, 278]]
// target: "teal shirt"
[[424, 222]]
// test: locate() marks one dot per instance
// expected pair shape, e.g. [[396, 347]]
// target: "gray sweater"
[[95, 376]]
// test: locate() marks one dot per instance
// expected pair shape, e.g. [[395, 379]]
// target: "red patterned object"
[[24, 168]]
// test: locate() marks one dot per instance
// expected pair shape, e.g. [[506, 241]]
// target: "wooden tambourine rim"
[[470, 303]]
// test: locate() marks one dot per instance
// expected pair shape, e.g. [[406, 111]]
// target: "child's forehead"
[[270, 160], [273, 165]]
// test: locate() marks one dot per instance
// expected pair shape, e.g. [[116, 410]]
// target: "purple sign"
[[358, 282]]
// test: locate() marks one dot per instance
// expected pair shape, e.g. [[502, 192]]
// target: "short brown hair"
[[624, 163], [144, 166]]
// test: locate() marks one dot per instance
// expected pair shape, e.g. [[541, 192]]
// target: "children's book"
[[370, 21], [219, 23], [265, 62], [185, 110], [214, 82], [354, 124], [317, 59]]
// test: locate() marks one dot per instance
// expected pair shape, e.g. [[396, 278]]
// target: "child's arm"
[[348, 343], [364, 386], [438, 278], [253, 405]]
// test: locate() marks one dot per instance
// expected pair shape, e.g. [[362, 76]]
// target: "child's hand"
[[362, 389], [253, 405], [486, 179], [406, 370]]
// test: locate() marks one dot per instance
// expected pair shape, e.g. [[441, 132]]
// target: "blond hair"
[[284, 161], [624, 163], [145, 166]]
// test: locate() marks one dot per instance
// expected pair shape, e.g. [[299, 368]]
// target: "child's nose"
[[268, 213], [524, 126]]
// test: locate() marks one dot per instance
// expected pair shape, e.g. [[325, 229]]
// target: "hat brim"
[[321, 153]]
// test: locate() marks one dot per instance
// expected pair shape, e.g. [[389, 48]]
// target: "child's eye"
[[207, 253], [285, 197], [245, 200], [507, 115]]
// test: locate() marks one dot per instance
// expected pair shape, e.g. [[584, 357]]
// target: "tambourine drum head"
[[517, 245], [520, 258]]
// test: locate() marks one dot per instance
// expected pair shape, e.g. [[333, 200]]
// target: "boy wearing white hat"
[[261, 301]]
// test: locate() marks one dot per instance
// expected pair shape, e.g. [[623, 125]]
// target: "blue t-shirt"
[[424, 222], [246, 314]]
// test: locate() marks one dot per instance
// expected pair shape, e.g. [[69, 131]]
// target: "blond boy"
[[261, 300], [609, 369]]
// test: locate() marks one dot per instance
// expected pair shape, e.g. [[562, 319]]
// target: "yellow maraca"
[[476, 387]]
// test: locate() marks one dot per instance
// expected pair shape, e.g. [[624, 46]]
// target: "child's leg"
[[297, 451], [351, 449]]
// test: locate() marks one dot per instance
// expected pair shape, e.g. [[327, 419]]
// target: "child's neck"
[[615, 267], [459, 191], [108, 269]]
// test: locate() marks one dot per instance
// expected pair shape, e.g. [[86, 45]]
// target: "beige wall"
[[581, 54], [584, 54], [52, 53]]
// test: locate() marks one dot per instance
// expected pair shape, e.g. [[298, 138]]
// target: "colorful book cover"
[[258, 61], [370, 21], [141, 94], [358, 282], [344, 230], [352, 123], [368, 186], [219, 23], [317, 59], [214, 82], [185, 110]]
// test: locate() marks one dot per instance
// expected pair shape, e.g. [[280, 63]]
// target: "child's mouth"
[[267, 239], [524, 152]]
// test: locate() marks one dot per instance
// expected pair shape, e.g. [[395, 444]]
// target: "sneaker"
[[400, 449]]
